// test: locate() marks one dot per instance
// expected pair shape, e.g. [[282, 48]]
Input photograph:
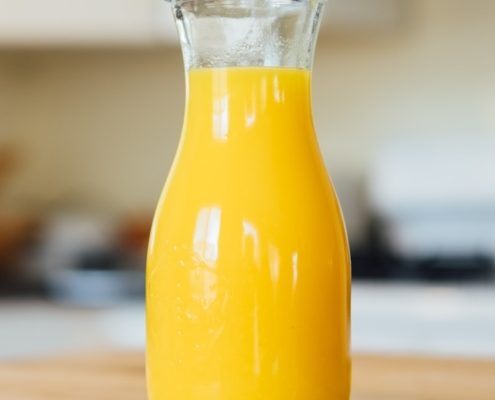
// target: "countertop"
[[440, 320], [121, 376]]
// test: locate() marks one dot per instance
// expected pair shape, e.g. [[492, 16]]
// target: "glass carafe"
[[248, 274]]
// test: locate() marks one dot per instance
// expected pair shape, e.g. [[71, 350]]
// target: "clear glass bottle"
[[248, 275]]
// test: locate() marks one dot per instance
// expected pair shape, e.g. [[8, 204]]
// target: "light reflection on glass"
[[203, 278], [250, 109], [250, 115], [250, 232], [264, 94], [220, 114], [221, 117], [206, 235], [274, 263], [276, 90], [295, 271]]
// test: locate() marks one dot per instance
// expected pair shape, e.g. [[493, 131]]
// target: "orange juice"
[[248, 267]]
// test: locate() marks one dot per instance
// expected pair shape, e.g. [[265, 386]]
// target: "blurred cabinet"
[[31, 23]]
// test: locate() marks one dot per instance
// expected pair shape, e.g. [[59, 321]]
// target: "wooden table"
[[121, 377]]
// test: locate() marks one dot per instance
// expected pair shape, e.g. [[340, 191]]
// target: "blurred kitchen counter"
[[38, 328], [388, 318], [121, 376]]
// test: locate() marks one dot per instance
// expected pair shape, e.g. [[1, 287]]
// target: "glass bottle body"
[[248, 268]]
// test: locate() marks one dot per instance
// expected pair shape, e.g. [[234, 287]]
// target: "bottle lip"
[[246, 3]]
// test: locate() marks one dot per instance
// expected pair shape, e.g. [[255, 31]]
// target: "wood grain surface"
[[120, 376]]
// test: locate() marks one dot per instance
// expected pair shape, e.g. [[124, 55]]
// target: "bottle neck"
[[247, 106], [247, 33]]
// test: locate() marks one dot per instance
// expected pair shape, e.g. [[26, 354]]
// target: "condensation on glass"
[[242, 33]]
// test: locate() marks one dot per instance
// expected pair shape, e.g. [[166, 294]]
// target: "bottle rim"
[[247, 3]]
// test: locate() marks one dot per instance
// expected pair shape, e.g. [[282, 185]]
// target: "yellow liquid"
[[248, 268]]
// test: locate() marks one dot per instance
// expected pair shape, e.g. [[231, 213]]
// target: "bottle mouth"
[[247, 33], [245, 3], [242, 8]]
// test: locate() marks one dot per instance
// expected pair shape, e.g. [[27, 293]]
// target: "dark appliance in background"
[[432, 206]]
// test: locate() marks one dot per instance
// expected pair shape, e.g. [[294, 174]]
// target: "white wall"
[[96, 128], [99, 128], [435, 77]]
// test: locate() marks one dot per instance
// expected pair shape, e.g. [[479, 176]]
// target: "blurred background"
[[91, 105]]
